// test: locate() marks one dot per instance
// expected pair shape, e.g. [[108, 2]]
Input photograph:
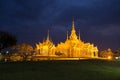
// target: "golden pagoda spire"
[[79, 35], [48, 36], [73, 27], [67, 36], [73, 32]]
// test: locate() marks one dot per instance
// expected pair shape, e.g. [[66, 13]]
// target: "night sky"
[[97, 20]]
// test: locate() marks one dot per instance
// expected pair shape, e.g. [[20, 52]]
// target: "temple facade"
[[46, 48], [73, 47]]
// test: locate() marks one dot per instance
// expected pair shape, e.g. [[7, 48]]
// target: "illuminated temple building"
[[46, 48], [73, 47]]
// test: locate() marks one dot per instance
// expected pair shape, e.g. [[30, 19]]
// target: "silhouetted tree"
[[117, 52], [7, 40], [106, 53], [24, 49]]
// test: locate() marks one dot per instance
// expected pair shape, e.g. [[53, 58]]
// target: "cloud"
[[107, 30], [93, 11], [30, 19], [112, 30]]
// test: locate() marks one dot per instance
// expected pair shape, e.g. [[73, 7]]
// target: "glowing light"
[[109, 57], [7, 52], [116, 57]]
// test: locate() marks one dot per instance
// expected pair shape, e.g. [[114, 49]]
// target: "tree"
[[24, 49], [117, 53], [1, 56], [107, 54], [7, 40]]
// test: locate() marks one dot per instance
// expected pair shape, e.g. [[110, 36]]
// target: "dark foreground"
[[61, 70]]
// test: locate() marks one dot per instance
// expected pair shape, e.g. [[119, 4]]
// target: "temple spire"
[[48, 36], [73, 35], [79, 35], [73, 26], [67, 36]]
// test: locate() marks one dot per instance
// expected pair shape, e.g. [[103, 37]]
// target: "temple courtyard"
[[86, 69]]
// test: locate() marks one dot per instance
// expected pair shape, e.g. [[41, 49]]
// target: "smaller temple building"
[[46, 48]]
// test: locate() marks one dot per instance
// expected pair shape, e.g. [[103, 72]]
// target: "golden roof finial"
[[79, 34], [48, 37], [73, 32], [67, 36], [73, 27]]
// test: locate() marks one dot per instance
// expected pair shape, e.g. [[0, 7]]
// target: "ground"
[[61, 70]]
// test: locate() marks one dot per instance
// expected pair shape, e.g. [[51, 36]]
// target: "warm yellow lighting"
[[109, 57], [16, 57], [73, 47]]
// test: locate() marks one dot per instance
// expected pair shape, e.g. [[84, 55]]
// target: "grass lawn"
[[61, 70]]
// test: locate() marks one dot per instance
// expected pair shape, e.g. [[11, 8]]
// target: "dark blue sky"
[[29, 20]]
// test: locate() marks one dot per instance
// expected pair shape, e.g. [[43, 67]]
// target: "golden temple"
[[73, 47]]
